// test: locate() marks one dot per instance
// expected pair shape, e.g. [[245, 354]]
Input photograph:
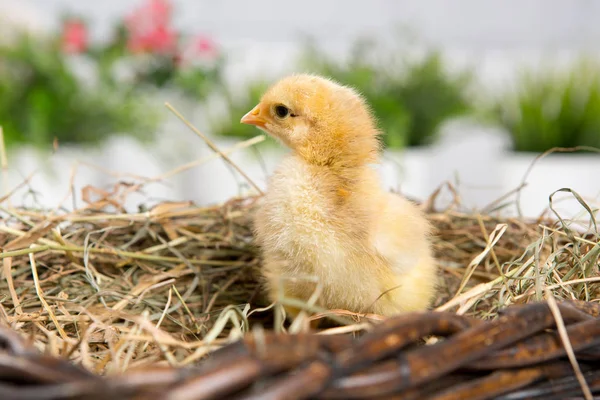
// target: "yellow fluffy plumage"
[[325, 217]]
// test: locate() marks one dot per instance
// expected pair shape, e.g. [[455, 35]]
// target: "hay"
[[112, 290]]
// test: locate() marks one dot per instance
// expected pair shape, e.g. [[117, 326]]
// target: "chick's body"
[[325, 222]]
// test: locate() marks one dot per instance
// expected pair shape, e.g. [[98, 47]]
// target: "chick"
[[325, 214]]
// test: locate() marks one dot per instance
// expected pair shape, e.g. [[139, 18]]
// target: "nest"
[[514, 356], [98, 300], [113, 290]]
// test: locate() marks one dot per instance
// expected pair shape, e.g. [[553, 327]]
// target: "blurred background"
[[468, 93]]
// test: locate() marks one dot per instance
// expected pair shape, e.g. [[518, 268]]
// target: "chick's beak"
[[253, 117]]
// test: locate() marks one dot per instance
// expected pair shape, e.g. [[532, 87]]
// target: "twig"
[[186, 308], [564, 337], [38, 290], [238, 146], [127, 254], [493, 239], [579, 238], [6, 197], [166, 309], [214, 147], [7, 262], [541, 156], [478, 290]]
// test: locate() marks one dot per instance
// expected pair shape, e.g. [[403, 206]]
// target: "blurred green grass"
[[557, 107], [411, 99], [42, 98]]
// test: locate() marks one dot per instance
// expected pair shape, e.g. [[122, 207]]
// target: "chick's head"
[[316, 117]]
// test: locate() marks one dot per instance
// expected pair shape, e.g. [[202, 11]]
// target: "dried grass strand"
[[215, 148], [564, 337], [40, 294], [7, 268]]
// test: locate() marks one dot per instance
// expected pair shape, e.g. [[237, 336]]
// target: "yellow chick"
[[325, 220]]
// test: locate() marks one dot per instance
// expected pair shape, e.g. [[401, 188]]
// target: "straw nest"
[[112, 290]]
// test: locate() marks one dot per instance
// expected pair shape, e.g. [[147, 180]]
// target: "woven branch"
[[518, 355]]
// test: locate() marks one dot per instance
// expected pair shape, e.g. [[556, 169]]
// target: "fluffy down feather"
[[325, 217]]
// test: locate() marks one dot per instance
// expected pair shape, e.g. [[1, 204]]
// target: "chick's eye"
[[282, 111]]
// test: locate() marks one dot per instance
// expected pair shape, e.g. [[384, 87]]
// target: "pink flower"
[[198, 50], [74, 36], [149, 28], [205, 46], [160, 40], [150, 15]]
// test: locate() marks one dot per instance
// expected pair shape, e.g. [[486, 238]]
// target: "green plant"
[[41, 99], [372, 80], [43, 95], [158, 55], [410, 98], [556, 108], [431, 96]]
